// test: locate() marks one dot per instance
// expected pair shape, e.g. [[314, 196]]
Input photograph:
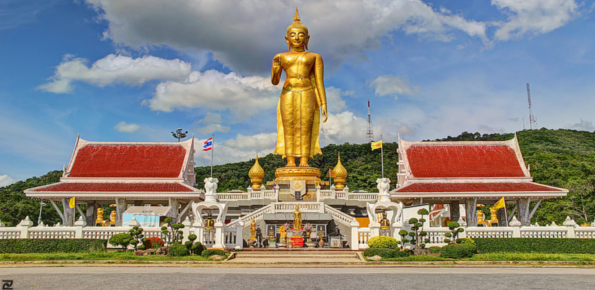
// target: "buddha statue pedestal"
[[297, 183]]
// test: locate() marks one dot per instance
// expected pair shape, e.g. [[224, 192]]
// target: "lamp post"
[[41, 204], [179, 134]]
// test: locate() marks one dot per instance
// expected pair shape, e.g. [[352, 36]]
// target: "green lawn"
[[101, 255]]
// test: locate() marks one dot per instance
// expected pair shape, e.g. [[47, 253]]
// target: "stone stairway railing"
[[256, 215]]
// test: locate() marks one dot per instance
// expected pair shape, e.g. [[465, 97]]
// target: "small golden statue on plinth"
[[210, 223], [282, 233], [253, 230], [493, 217], [297, 219], [112, 218], [384, 223], [99, 220], [480, 220]]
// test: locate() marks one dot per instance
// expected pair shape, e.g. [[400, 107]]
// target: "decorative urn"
[[256, 174], [340, 174]]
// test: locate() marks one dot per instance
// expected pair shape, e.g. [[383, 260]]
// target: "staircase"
[[293, 257]]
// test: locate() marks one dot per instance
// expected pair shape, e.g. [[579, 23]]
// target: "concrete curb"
[[230, 263]]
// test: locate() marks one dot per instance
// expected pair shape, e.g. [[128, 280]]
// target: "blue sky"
[[134, 70]]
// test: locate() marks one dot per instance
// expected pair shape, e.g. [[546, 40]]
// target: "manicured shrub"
[[197, 248], [179, 250], [20, 246], [434, 250], [210, 252], [527, 245], [123, 240], [466, 241], [458, 251], [381, 242], [385, 253]]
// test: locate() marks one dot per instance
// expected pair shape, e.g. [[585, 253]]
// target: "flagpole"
[[212, 149], [506, 213], [382, 156]]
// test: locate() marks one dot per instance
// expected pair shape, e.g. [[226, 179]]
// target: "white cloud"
[[343, 127], [583, 125], [6, 180], [211, 118], [126, 128], [245, 34], [389, 85], [212, 128], [533, 16], [114, 69], [335, 102], [254, 142], [213, 90]]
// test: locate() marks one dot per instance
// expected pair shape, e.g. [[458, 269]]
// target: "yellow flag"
[[71, 202], [499, 204], [376, 145]]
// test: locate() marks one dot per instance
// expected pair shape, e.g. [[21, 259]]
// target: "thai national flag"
[[208, 144]]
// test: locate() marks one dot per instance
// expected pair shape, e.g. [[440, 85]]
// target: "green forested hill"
[[562, 158]]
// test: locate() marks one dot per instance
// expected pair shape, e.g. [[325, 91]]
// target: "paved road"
[[133, 278]]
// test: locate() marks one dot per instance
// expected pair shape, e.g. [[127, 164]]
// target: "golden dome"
[[256, 174], [340, 174]]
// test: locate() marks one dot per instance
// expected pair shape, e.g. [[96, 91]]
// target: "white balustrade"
[[585, 232], [10, 233], [544, 232], [231, 196], [362, 196], [230, 239], [363, 235], [489, 232], [303, 206], [436, 235], [339, 215], [52, 233]]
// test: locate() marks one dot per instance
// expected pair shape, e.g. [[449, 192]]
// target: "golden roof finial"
[[340, 174], [256, 174], [297, 22]]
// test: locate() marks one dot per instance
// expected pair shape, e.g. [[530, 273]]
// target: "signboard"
[[270, 231], [335, 242], [321, 230]]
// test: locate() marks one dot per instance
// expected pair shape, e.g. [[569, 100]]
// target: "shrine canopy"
[[128, 170], [485, 171]]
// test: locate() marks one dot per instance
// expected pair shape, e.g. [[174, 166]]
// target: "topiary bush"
[[458, 251], [210, 252], [123, 240], [197, 248], [381, 242], [385, 253], [20, 246], [527, 245], [179, 250]]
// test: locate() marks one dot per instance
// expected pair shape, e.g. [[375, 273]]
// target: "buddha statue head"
[[297, 34]]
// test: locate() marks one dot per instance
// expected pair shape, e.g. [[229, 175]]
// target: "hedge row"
[[385, 253], [19, 246], [527, 245], [458, 251]]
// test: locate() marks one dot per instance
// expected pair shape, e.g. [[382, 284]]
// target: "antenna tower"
[[369, 133], [532, 121]]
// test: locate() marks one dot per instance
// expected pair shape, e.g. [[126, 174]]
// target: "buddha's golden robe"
[[298, 122]]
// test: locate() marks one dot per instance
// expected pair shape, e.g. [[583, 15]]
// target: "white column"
[[318, 193], [186, 229], [219, 232], [354, 235], [516, 227], [78, 230], [570, 224], [24, 225], [199, 231], [374, 229], [120, 208], [239, 235]]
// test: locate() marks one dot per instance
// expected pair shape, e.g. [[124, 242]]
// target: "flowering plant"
[[154, 242], [286, 225], [308, 227]]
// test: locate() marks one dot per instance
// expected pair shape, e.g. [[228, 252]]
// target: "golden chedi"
[[302, 100], [256, 174], [340, 174]]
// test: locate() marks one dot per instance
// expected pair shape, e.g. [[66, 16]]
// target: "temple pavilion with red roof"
[[470, 173], [126, 174]]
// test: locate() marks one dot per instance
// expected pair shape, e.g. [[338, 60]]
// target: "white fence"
[[320, 195]]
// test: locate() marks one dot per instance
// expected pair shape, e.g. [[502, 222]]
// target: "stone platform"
[[306, 256]]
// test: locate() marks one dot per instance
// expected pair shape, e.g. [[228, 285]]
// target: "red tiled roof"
[[121, 160], [116, 187], [463, 161], [475, 187]]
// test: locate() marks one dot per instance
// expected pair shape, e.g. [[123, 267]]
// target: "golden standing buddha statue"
[[297, 219], [253, 230], [302, 98]]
